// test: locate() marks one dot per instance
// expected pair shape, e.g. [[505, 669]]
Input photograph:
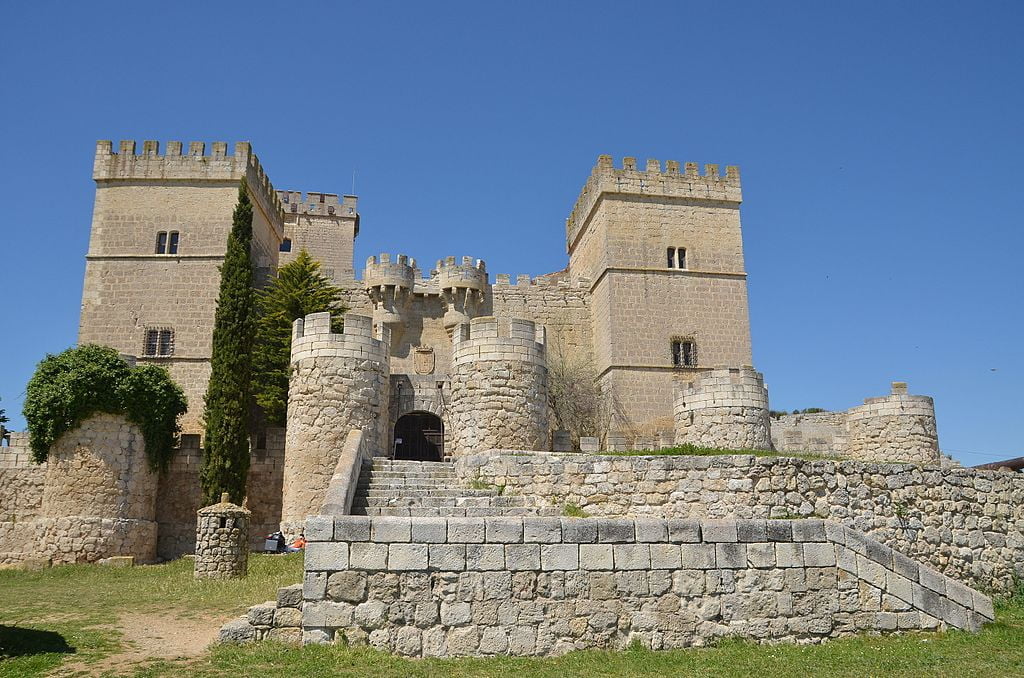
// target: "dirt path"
[[149, 636]]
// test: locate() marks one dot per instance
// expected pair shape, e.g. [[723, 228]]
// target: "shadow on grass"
[[16, 641]]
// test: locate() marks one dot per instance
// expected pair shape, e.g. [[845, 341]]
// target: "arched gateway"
[[419, 436]]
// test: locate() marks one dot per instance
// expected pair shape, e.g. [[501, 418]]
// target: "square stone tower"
[[324, 226], [159, 232], [664, 254]]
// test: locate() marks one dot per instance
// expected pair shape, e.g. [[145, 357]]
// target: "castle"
[[452, 365]]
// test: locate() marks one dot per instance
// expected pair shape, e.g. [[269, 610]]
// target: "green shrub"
[[70, 387], [574, 511]]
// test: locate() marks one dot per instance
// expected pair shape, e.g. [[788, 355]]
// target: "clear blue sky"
[[879, 143]]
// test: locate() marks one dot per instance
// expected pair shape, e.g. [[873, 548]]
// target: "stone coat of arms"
[[423, 360]]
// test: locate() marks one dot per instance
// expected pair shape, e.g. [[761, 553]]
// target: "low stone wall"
[[546, 586], [966, 523], [822, 433]]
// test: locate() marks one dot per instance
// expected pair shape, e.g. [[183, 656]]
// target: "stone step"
[[408, 478], [389, 465], [388, 473], [456, 511], [438, 501], [411, 492]]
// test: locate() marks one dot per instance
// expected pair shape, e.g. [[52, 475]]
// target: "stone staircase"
[[430, 489]]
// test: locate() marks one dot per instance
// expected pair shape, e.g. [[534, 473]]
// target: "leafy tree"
[[70, 387], [3, 420], [229, 394], [298, 290]]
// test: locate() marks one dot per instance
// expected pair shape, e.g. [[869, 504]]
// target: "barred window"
[[684, 353], [159, 342]]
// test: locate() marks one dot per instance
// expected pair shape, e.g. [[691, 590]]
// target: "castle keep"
[[423, 448]]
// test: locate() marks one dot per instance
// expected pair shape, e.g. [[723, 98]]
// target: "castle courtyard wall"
[[966, 523]]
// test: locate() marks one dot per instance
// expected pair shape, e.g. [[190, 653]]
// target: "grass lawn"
[[65, 621]]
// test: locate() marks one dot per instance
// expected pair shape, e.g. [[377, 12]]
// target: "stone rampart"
[[21, 498], [724, 408], [339, 382], [498, 386], [545, 586], [966, 523], [897, 427], [318, 204]]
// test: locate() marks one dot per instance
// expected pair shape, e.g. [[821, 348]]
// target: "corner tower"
[[664, 252], [324, 226]]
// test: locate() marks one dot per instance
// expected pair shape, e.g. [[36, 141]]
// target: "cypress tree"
[[229, 394], [298, 290]]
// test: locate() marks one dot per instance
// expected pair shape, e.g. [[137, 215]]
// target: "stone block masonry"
[[339, 382], [222, 541], [546, 586], [499, 389], [966, 523], [724, 408]]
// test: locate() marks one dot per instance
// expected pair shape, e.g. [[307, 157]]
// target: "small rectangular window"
[[681, 257], [172, 247], [684, 353], [671, 257], [286, 245], [159, 342], [161, 242]]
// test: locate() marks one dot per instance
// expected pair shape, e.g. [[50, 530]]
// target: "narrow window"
[[166, 346], [684, 353], [681, 255], [172, 247], [152, 339], [671, 257], [286, 245], [161, 242]]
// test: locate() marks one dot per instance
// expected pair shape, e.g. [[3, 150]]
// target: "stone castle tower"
[[654, 293]]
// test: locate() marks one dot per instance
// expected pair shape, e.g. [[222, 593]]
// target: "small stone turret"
[[724, 408], [222, 540], [499, 386], [462, 288], [390, 285], [898, 427], [339, 382]]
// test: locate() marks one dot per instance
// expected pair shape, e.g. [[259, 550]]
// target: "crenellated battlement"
[[468, 273], [505, 280], [400, 272], [489, 338], [194, 165], [312, 338], [671, 182], [319, 204]]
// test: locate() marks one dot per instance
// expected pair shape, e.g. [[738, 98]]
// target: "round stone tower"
[[725, 408], [462, 287], [390, 285], [499, 386], [898, 427], [339, 382], [99, 495], [222, 541]]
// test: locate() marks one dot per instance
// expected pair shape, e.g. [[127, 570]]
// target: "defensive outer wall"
[[966, 523], [545, 586]]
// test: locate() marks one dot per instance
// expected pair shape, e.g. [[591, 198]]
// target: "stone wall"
[[545, 586], [179, 495], [21, 498], [339, 382], [966, 523], [324, 226], [724, 408], [99, 495], [222, 541], [498, 387], [822, 433]]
